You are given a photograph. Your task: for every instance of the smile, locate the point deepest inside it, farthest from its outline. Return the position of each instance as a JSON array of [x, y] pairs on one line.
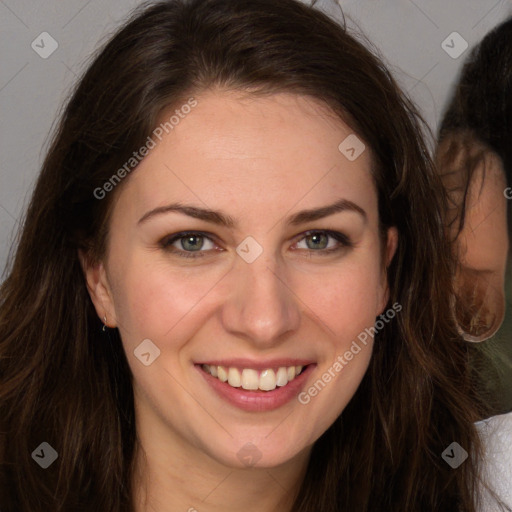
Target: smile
[[256, 386], [254, 380]]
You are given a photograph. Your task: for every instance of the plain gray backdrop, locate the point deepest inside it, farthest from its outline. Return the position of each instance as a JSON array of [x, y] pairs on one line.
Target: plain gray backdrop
[[416, 39]]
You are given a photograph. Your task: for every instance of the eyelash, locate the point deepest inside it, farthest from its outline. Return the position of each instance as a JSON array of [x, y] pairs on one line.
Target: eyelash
[[341, 238]]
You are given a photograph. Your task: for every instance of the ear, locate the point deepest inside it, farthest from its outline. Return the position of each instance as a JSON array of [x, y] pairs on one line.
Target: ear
[[389, 253], [99, 289]]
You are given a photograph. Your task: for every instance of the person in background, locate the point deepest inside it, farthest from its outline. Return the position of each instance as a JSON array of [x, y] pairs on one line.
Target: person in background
[[474, 158]]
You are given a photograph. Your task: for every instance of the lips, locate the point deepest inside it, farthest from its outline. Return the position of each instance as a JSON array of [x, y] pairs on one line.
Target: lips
[[256, 386]]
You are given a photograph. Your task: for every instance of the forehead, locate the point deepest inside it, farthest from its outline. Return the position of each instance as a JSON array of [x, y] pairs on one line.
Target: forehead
[[276, 151]]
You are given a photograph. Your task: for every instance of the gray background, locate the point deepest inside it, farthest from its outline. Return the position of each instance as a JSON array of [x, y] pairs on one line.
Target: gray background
[[408, 33]]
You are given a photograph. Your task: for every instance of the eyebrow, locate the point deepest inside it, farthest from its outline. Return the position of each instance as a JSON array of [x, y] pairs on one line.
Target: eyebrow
[[221, 219]]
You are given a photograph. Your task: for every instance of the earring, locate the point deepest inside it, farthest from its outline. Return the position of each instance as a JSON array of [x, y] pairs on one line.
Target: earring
[[104, 324]]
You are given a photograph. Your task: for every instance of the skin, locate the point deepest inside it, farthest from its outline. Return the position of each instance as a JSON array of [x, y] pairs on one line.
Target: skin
[[483, 244], [258, 160]]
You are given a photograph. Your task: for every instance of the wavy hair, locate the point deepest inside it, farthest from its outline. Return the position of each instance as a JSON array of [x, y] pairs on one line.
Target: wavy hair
[[61, 382]]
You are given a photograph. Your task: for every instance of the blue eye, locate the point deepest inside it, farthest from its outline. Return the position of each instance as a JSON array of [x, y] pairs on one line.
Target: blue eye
[[320, 241], [194, 244], [190, 244]]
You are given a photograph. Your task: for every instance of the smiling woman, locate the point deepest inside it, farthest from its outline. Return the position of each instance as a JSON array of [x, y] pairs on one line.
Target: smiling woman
[[284, 239]]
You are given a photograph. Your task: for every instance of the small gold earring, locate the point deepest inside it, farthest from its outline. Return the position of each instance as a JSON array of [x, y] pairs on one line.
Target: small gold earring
[[104, 324]]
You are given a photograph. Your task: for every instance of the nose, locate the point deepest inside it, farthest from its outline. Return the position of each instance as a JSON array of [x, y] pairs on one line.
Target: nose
[[261, 306]]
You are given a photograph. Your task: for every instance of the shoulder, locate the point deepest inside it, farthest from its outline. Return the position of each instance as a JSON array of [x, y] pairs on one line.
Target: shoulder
[[496, 434]]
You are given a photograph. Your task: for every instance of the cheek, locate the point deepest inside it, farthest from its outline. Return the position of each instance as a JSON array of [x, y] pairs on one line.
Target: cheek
[[351, 298], [168, 303], [346, 299], [156, 301], [345, 302], [348, 309]]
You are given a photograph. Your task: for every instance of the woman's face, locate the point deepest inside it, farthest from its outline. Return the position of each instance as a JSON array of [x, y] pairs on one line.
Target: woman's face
[[252, 289]]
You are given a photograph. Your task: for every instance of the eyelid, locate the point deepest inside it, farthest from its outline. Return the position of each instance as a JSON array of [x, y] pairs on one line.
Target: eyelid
[[170, 239], [343, 240]]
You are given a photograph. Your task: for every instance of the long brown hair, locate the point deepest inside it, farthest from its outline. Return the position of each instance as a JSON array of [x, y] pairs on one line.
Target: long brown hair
[[63, 382]]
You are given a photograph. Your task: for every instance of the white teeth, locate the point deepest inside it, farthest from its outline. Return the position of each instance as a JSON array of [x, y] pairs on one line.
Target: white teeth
[[252, 380], [282, 376], [234, 378], [249, 379], [222, 374], [267, 380]]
